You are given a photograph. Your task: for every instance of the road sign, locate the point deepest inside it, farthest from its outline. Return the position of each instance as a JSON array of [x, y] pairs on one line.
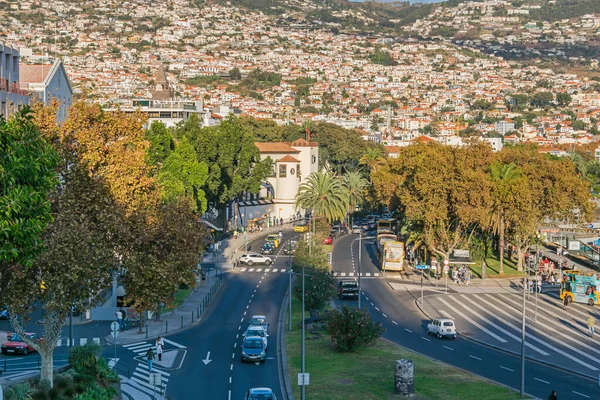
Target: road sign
[[422, 266], [446, 262], [303, 379], [114, 334], [155, 379], [446, 268], [114, 326]]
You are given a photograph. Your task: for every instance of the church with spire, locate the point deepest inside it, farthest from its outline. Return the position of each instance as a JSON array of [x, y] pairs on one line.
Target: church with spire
[[162, 90]]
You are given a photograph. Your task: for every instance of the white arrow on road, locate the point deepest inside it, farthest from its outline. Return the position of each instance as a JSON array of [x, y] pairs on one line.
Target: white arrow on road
[[207, 359]]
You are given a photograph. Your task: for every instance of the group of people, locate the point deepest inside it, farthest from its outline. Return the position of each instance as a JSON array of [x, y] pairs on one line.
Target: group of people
[[150, 354], [462, 275]]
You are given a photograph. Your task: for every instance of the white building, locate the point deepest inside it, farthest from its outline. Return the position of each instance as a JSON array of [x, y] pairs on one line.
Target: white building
[[169, 112], [12, 97], [49, 82]]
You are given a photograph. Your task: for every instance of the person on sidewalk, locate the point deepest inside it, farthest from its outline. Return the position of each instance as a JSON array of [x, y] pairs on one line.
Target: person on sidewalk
[[160, 346], [591, 321], [203, 277], [150, 358], [553, 396], [566, 302], [123, 319], [281, 221], [119, 315]]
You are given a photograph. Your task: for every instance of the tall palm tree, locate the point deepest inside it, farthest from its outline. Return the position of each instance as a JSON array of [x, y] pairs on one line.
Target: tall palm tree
[[372, 159], [324, 194], [581, 166], [503, 175], [355, 186]]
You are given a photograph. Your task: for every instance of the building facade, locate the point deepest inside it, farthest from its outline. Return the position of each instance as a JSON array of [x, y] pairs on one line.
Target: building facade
[[12, 97], [49, 82]]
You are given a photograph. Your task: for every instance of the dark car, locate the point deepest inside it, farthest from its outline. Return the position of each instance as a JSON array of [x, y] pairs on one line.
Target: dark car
[[253, 349], [267, 248], [347, 289], [16, 345]]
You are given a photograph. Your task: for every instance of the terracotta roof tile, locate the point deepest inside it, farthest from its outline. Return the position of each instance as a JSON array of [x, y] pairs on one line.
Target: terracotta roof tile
[[288, 158], [277, 147], [303, 143], [33, 73]]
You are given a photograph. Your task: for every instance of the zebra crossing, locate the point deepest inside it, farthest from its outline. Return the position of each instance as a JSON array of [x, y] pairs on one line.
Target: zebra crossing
[[64, 342], [552, 334], [285, 270]]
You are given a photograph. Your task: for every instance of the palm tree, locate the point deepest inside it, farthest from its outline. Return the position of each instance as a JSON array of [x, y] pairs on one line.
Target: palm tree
[[581, 166], [503, 175], [373, 158], [324, 194], [354, 185]]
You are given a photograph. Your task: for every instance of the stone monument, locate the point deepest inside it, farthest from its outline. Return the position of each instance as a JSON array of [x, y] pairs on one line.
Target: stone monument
[[404, 378]]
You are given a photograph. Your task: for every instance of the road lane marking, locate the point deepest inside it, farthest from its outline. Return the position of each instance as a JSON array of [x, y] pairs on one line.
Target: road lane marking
[[385, 316], [233, 355], [507, 333], [234, 345], [229, 379], [368, 274], [377, 308], [229, 398], [508, 369], [477, 358], [407, 330], [581, 394], [351, 274], [424, 338], [259, 270], [274, 269], [237, 336], [343, 274], [541, 380], [372, 304], [394, 322], [243, 269], [248, 306], [251, 270], [250, 301], [239, 328], [231, 368], [241, 320], [366, 297], [245, 313], [449, 348], [492, 334]]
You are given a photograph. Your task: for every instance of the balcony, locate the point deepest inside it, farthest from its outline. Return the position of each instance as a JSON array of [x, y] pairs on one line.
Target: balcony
[[5, 86]]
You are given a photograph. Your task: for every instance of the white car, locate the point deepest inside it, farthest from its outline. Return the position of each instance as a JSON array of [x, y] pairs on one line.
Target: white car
[[258, 331], [255, 258], [442, 327], [259, 321]]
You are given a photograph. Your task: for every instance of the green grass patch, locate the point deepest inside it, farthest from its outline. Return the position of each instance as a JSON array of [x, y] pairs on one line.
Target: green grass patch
[[493, 268], [369, 372], [180, 296]]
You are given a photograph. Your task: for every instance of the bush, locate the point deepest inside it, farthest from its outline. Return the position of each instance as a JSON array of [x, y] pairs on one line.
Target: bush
[[21, 391], [351, 328], [319, 287], [84, 358]]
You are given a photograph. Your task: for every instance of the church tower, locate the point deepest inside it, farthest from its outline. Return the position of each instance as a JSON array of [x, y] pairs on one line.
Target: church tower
[[162, 90]]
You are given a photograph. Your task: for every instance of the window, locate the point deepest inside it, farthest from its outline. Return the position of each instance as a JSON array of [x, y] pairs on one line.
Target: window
[[448, 324], [282, 170], [314, 159]]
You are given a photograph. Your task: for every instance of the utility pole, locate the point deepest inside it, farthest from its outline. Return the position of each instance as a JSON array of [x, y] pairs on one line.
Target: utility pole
[[522, 391], [290, 288], [303, 354], [71, 327], [359, 262]]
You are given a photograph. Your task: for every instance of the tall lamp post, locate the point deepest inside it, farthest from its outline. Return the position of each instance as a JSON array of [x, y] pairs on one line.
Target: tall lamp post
[[522, 389], [290, 287], [303, 353], [359, 262]]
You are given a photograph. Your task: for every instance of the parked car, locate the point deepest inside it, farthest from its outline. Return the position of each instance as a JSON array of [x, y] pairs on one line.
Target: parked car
[[442, 327], [347, 289], [253, 349], [4, 313], [290, 247], [255, 258], [260, 394], [259, 320], [16, 345], [273, 238], [267, 248], [301, 227], [258, 331], [328, 240]]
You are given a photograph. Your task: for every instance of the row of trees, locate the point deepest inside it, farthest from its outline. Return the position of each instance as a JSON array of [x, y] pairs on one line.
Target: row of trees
[[454, 197], [81, 202]]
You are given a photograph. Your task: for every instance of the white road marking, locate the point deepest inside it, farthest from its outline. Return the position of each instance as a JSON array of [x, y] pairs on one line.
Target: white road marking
[[424, 338], [243, 269], [366, 297], [367, 274], [445, 314], [274, 269], [241, 320], [581, 394], [245, 312], [377, 308], [229, 379], [229, 397], [508, 369], [233, 355], [237, 336], [231, 368], [492, 334], [477, 358], [407, 330], [449, 348], [251, 270], [343, 274], [394, 322], [351, 274], [385, 316], [541, 380]]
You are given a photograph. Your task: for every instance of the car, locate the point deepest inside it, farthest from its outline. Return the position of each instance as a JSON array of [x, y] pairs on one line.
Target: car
[[357, 229], [254, 258], [253, 349], [262, 393], [346, 289], [4, 313], [16, 345], [273, 238], [259, 320], [301, 227], [257, 331], [328, 240], [290, 248], [442, 327], [267, 248]]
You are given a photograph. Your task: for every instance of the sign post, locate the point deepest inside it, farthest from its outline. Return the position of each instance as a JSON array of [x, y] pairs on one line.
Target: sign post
[[114, 327], [446, 270], [422, 268], [303, 379]]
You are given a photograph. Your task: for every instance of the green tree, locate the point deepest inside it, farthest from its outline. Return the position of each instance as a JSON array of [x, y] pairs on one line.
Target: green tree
[[351, 328], [520, 101], [235, 74], [161, 143], [324, 194], [542, 99], [382, 57], [355, 187], [563, 99], [319, 287]]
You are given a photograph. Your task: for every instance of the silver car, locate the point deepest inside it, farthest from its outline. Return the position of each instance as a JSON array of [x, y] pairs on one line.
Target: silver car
[[255, 258]]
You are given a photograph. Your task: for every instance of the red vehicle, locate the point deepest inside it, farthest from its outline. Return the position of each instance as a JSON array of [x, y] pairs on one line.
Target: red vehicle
[[328, 240], [16, 345]]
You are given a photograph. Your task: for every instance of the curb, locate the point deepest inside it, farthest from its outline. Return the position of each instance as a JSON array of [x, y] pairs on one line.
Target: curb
[[219, 284], [284, 374], [514, 353]]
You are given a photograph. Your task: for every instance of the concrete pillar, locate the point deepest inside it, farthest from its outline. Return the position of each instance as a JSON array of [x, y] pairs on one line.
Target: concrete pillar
[[404, 378]]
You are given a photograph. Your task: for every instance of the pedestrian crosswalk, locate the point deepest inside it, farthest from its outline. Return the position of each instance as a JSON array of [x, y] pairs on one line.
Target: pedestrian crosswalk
[[552, 334], [140, 348], [285, 270], [77, 342]]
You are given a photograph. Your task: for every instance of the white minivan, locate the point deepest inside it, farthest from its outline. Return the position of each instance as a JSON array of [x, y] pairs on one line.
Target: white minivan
[[442, 327]]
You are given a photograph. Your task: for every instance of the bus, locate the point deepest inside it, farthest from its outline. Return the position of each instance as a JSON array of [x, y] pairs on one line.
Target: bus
[[386, 225], [580, 287], [393, 256]]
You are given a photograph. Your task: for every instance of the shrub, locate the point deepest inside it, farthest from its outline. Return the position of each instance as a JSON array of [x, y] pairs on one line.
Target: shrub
[[21, 391], [86, 357], [95, 393], [319, 287], [351, 328]]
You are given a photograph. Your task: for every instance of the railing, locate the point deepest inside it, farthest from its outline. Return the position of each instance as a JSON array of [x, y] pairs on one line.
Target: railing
[[5, 86]]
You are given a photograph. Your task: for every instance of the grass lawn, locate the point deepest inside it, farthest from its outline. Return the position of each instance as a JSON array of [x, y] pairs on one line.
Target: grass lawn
[[369, 373], [493, 267], [180, 296]]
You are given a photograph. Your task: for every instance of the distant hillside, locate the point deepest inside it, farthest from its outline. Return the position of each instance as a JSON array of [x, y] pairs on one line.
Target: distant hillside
[[565, 9]]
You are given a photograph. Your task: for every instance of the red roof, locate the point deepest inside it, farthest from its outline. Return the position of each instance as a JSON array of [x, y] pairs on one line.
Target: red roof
[[288, 158], [277, 147], [33, 73], [303, 143]]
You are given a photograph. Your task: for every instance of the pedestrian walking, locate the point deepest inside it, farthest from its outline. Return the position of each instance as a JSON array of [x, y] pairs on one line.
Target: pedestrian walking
[[160, 346], [203, 277], [553, 396], [119, 315], [235, 234], [281, 221], [150, 358], [123, 319], [591, 321], [566, 302]]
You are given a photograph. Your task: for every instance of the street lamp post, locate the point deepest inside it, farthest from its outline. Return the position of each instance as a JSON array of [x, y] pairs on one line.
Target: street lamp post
[[290, 287], [303, 353], [522, 391], [359, 262]]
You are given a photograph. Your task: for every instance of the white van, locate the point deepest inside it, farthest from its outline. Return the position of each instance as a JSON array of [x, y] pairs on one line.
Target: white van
[[442, 327]]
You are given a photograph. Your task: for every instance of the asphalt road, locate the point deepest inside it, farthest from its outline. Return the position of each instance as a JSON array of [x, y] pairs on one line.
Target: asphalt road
[[225, 377], [406, 325]]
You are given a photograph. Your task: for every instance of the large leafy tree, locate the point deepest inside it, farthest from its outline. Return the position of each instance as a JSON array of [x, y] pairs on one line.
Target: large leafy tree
[[161, 143], [324, 194], [355, 186]]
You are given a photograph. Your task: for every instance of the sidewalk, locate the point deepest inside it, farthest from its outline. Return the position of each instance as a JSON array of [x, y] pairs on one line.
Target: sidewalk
[[188, 314]]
